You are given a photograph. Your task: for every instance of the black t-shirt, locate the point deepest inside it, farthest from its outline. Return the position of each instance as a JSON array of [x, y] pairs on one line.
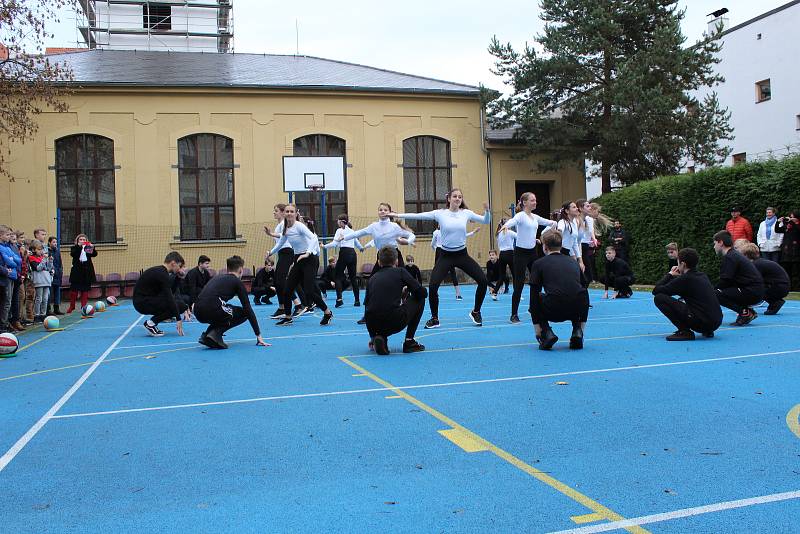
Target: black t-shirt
[[493, 270], [156, 282], [264, 278], [696, 290], [195, 281], [558, 274], [738, 271], [414, 271], [773, 274], [385, 289], [223, 288]]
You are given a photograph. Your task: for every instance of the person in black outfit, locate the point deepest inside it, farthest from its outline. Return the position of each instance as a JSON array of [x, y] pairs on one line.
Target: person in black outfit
[[493, 274], [565, 297], [776, 279], [212, 306], [412, 269], [620, 240], [196, 279], [790, 247], [672, 254], [327, 279], [153, 295], [618, 275], [698, 308], [385, 313], [263, 287], [740, 284]]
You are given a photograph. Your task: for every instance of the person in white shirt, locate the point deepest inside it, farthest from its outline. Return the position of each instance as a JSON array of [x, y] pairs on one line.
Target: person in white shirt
[[588, 242], [571, 227], [527, 224], [769, 241], [506, 240], [453, 241], [284, 263], [436, 239], [305, 245], [346, 260]]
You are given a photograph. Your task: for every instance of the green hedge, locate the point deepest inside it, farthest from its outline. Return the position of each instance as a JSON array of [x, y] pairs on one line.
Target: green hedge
[[690, 208]]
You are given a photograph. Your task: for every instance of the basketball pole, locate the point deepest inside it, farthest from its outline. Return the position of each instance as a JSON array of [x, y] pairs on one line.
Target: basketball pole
[[324, 230]]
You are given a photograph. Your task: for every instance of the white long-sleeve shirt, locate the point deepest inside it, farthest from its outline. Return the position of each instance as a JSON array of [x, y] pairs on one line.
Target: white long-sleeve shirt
[[588, 230], [300, 238], [347, 240], [527, 226], [436, 238], [279, 231], [453, 225], [385, 233], [506, 240], [570, 237]]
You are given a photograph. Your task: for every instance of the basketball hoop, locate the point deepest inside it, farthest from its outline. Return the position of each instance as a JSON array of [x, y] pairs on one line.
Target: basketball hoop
[[315, 187]]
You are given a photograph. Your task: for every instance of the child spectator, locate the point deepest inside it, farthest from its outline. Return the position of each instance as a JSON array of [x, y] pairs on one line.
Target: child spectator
[[493, 273], [7, 275], [196, 279], [16, 260], [58, 272], [618, 275], [412, 268], [263, 287], [27, 294], [327, 279], [672, 254], [41, 274]]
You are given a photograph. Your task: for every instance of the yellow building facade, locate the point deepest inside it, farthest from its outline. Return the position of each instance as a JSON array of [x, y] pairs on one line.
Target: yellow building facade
[[146, 121]]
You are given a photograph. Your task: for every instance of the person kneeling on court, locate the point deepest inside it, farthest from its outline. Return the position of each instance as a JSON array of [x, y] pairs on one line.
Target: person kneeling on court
[[152, 295], [699, 311], [386, 313], [740, 285], [618, 275], [565, 299], [212, 306], [776, 279]]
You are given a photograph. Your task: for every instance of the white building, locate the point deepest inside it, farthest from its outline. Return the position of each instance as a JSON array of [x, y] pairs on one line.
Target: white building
[[759, 61], [175, 25]]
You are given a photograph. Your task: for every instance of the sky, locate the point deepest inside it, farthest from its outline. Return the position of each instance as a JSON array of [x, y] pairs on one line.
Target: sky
[[445, 39]]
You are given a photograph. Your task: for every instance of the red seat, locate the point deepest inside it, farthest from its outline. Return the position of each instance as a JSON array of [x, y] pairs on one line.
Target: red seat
[[128, 282], [113, 285], [96, 290]]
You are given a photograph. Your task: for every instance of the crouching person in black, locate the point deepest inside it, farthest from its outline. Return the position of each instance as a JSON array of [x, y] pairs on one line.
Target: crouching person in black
[[152, 295], [386, 313], [740, 284], [565, 299], [699, 311], [776, 279], [212, 306], [263, 287], [618, 275]]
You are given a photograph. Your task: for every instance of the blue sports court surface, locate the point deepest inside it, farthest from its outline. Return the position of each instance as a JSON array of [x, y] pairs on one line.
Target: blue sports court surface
[[104, 429]]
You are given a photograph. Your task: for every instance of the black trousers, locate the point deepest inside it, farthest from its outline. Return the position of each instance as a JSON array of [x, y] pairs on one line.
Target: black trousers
[[264, 292], [772, 256], [547, 308], [506, 260], [219, 316], [451, 272], [463, 261], [590, 269], [346, 261], [285, 262], [523, 260], [620, 284], [158, 307], [737, 299], [792, 268], [775, 294], [303, 274], [679, 314], [407, 316]]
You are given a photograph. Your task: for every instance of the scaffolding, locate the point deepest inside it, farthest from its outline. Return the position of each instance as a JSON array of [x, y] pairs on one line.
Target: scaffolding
[[174, 25]]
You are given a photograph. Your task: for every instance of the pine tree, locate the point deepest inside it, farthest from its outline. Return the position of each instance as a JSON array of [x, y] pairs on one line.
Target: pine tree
[[611, 81]]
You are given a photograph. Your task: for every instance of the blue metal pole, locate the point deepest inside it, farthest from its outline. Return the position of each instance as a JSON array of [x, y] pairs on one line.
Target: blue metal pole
[[324, 230]]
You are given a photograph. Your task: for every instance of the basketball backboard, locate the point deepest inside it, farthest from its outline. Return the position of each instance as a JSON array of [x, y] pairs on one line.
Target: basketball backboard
[[300, 173]]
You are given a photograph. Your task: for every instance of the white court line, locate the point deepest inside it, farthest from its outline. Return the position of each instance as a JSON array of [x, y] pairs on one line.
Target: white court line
[[685, 512], [32, 431], [436, 385]]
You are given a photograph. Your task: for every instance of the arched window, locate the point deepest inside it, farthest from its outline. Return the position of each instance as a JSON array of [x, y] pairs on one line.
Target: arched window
[[310, 203], [205, 178], [85, 187], [426, 177]]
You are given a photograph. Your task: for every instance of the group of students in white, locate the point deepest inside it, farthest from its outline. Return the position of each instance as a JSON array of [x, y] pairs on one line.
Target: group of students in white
[[395, 296]]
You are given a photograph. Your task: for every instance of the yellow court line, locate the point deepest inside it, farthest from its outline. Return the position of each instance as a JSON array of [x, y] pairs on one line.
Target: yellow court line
[[586, 518], [793, 420], [465, 435], [32, 343]]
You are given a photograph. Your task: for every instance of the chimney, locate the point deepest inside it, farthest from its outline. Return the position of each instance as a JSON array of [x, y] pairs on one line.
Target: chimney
[[719, 23]]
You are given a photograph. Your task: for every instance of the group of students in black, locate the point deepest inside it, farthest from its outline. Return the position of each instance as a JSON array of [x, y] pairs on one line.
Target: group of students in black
[[395, 297]]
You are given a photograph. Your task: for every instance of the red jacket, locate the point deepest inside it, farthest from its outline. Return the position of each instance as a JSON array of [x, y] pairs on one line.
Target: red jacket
[[740, 229]]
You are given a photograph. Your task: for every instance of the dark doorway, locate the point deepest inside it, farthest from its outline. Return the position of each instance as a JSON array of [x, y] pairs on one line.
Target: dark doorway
[[542, 192]]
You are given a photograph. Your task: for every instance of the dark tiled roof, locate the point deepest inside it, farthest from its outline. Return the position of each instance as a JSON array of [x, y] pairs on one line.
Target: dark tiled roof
[[193, 69], [503, 135]]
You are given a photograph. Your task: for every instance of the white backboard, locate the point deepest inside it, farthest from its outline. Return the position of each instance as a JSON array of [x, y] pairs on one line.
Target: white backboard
[[301, 171]]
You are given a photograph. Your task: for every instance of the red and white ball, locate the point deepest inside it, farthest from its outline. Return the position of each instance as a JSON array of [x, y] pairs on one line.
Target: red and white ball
[[87, 311], [8, 345], [112, 300]]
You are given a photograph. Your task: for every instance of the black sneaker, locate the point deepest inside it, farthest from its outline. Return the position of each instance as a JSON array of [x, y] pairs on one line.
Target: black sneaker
[[547, 339], [311, 308], [267, 302], [363, 320], [299, 310], [357, 304], [775, 307], [339, 304], [208, 342], [708, 335], [494, 296], [411, 345], [381, 347], [433, 322], [745, 318], [216, 338], [681, 335], [514, 319], [476, 318], [327, 318], [286, 321], [152, 329], [459, 297], [257, 302], [278, 314], [576, 339]]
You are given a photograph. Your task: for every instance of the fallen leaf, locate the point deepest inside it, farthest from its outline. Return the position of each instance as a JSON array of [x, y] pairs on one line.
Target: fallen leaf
[[562, 383]]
